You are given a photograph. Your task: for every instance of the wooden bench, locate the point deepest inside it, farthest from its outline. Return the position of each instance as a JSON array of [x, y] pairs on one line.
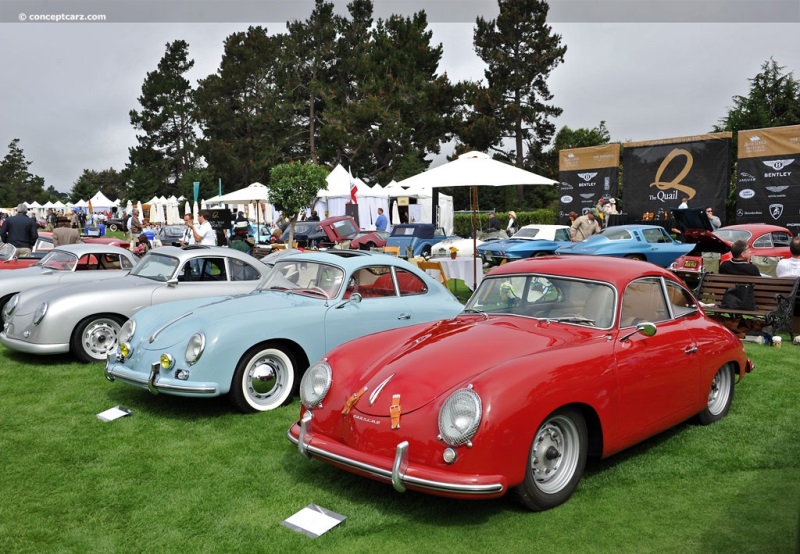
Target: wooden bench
[[775, 298]]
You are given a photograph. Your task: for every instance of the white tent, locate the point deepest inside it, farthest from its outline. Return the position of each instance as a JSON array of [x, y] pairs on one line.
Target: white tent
[[332, 200], [100, 203], [369, 200]]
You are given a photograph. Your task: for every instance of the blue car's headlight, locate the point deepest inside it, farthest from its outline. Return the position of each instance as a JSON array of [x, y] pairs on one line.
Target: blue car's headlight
[[195, 347], [38, 315], [315, 384], [460, 417], [127, 331]]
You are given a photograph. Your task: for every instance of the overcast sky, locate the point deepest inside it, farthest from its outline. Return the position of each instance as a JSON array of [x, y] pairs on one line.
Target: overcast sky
[[66, 88]]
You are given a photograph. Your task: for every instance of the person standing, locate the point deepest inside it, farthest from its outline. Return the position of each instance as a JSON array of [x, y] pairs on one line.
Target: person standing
[[21, 232], [188, 235], [715, 222], [790, 267], [381, 222], [584, 227], [684, 203], [494, 224], [64, 233], [135, 227], [740, 264], [203, 233], [511, 228]]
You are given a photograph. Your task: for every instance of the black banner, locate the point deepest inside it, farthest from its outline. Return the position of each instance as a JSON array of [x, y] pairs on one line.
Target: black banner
[[659, 175], [586, 175], [768, 180]]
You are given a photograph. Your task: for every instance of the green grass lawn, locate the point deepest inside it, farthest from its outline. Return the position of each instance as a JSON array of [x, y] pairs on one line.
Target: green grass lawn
[[184, 475]]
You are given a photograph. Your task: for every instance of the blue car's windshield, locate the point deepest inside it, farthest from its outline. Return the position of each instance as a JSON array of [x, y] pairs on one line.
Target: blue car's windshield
[[305, 277]]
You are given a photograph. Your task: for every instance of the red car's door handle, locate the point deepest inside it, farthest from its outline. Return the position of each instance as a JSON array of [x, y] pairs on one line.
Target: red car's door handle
[[690, 350]]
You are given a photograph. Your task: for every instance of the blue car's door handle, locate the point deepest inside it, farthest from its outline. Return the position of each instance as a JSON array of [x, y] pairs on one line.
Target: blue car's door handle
[[404, 316]]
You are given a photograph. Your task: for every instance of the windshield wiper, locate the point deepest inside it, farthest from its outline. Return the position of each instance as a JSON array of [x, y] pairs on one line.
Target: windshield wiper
[[475, 311], [572, 319]]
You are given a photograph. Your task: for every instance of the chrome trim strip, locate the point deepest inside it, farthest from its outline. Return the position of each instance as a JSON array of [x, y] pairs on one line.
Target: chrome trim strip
[[379, 388], [305, 430], [157, 331], [386, 475]]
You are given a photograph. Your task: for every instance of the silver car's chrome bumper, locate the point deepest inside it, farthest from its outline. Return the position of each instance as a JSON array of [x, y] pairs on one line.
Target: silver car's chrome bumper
[[397, 475], [32, 348], [153, 382]]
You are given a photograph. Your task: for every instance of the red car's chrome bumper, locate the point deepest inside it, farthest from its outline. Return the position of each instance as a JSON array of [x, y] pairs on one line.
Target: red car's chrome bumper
[[398, 471]]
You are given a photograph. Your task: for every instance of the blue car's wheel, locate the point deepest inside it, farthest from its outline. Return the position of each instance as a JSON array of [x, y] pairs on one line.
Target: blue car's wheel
[[264, 379], [556, 461]]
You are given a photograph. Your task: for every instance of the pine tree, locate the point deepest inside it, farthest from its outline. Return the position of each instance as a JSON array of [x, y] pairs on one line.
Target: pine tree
[[109, 181], [17, 184], [166, 150], [520, 51], [773, 101]]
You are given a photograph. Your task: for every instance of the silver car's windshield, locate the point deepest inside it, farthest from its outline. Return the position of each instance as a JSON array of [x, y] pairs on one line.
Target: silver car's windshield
[[558, 299], [7, 251], [157, 267], [59, 260], [305, 277]]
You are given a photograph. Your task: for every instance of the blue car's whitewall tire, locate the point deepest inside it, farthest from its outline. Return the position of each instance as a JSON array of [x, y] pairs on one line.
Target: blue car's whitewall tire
[[264, 379]]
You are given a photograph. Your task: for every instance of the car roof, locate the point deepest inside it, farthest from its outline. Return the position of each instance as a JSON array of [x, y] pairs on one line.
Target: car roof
[[197, 250], [755, 228], [92, 248], [350, 259], [544, 226], [617, 271]]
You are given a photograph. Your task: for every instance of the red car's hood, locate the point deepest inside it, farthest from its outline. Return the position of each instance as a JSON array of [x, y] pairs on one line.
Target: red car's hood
[[448, 353], [705, 241]]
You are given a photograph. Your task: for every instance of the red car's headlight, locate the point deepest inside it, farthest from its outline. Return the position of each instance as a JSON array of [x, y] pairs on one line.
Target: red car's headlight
[[315, 384], [460, 417]]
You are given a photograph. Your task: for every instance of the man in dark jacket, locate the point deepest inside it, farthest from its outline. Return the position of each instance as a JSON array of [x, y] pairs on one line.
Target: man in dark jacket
[[20, 231], [740, 264]]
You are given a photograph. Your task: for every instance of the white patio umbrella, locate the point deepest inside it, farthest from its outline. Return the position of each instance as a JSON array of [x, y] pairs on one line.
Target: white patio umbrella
[[187, 209], [474, 169], [129, 207], [255, 193]]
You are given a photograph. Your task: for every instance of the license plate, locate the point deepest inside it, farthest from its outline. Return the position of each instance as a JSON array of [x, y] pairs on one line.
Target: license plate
[[690, 263]]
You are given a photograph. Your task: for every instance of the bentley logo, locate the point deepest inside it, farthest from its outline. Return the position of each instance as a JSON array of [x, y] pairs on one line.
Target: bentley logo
[[587, 176], [776, 210], [777, 165], [676, 182], [776, 189]]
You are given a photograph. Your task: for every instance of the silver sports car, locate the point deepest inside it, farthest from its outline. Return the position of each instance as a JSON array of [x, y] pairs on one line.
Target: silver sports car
[[85, 319], [67, 265]]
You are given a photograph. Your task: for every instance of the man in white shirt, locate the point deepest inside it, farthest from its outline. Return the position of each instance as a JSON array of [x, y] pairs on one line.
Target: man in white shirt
[[188, 234], [203, 233], [790, 267]]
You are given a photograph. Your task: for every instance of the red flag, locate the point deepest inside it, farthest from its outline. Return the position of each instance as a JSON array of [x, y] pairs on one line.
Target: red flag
[[353, 188]]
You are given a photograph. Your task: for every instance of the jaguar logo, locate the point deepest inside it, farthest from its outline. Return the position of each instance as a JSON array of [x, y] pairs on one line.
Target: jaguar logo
[[776, 211], [747, 193], [565, 186], [587, 176], [777, 165], [745, 177]]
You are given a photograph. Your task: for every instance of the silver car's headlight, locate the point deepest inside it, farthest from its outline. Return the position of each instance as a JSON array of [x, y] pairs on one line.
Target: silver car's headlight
[[127, 331], [195, 347], [38, 315], [315, 384], [10, 306], [460, 417]]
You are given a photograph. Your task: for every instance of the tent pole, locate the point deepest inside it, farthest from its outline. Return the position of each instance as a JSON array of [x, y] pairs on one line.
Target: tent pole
[[474, 234]]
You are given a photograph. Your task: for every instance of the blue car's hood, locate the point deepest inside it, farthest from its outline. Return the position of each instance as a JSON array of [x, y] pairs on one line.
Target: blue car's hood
[[587, 246], [188, 317], [506, 244]]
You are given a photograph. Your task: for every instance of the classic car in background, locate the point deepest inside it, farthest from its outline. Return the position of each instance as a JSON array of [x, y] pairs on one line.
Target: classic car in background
[[768, 244], [44, 244], [551, 362], [334, 231], [530, 241], [256, 347], [649, 243], [85, 319], [171, 235], [419, 237], [66, 265], [466, 247]]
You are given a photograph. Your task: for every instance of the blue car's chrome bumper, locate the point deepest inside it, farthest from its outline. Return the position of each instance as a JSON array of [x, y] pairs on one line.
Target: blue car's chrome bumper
[[155, 381]]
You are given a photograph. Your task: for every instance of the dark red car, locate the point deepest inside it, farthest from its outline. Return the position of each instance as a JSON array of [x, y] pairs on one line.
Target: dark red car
[[337, 230]]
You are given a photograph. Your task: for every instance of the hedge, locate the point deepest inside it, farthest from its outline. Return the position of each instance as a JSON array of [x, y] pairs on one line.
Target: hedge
[[462, 222]]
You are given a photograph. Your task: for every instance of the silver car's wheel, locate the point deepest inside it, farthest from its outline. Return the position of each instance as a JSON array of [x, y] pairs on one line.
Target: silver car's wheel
[[556, 461], [264, 379], [112, 227], [720, 396], [96, 337]]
